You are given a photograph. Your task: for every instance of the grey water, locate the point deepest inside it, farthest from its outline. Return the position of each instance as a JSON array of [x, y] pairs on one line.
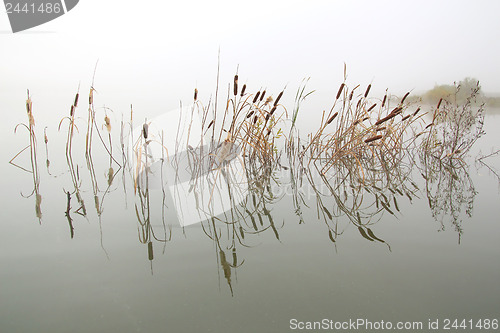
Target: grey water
[[107, 270]]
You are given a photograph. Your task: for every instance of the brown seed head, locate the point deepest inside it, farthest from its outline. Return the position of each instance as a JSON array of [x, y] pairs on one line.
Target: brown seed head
[[235, 85], [75, 103], [439, 103], [340, 90], [367, 90], [262, 96], [332, 118], [373, 138], [256, 97], [278, 98], [404, 97]]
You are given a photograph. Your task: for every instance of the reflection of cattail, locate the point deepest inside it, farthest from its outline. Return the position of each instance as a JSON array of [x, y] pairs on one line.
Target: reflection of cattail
[[91, 96], [367, 90], [340, 90], [145, 130], [29, 109], [235, 85], [373, 138], [76, 100], [256, 97], [243, 90], [150, 251], [331, 118], [108, 123]]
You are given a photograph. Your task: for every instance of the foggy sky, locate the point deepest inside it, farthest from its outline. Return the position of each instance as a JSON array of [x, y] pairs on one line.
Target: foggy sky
[[161, 50]]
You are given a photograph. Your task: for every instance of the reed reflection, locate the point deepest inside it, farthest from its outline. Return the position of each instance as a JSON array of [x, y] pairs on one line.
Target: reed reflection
[[33, 169], [227, 170]]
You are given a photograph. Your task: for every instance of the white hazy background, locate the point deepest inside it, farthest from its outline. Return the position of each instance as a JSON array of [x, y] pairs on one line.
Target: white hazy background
[[152, 54]]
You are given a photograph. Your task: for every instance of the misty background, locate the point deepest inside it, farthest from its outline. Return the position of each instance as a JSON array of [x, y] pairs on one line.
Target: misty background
[[153, 54]]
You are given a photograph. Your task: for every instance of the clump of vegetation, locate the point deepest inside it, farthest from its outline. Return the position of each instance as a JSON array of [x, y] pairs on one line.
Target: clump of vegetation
[[459, 93], [356, 166]]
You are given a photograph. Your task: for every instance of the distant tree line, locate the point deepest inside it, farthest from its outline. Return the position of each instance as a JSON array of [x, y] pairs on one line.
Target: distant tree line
[[458, 93]]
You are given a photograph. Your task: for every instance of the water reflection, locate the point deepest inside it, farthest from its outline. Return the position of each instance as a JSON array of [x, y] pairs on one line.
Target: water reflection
[[229, 175], [33, 168]]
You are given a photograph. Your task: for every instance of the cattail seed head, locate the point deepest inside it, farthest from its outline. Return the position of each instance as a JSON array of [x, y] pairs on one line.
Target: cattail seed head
[[439, 103], [416, 111], [373, 138], [368, 90], [195, 94], [235, 85], [397, 110], [404, 97], [383, 120], [332, 118], [278, 98], [262, 96], [383, 101], [371, 107], [340, 90], [243, 90], [358, 104], [256, 97], [145, 128], [75, 103], [211, 123]]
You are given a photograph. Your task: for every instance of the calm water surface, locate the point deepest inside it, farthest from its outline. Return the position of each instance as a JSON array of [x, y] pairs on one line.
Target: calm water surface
[[98, 274]]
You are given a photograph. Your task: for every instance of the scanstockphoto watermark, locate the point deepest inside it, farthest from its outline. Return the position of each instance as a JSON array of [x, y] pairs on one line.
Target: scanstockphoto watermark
[[26, 14], [464, 324], [354, 324]]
